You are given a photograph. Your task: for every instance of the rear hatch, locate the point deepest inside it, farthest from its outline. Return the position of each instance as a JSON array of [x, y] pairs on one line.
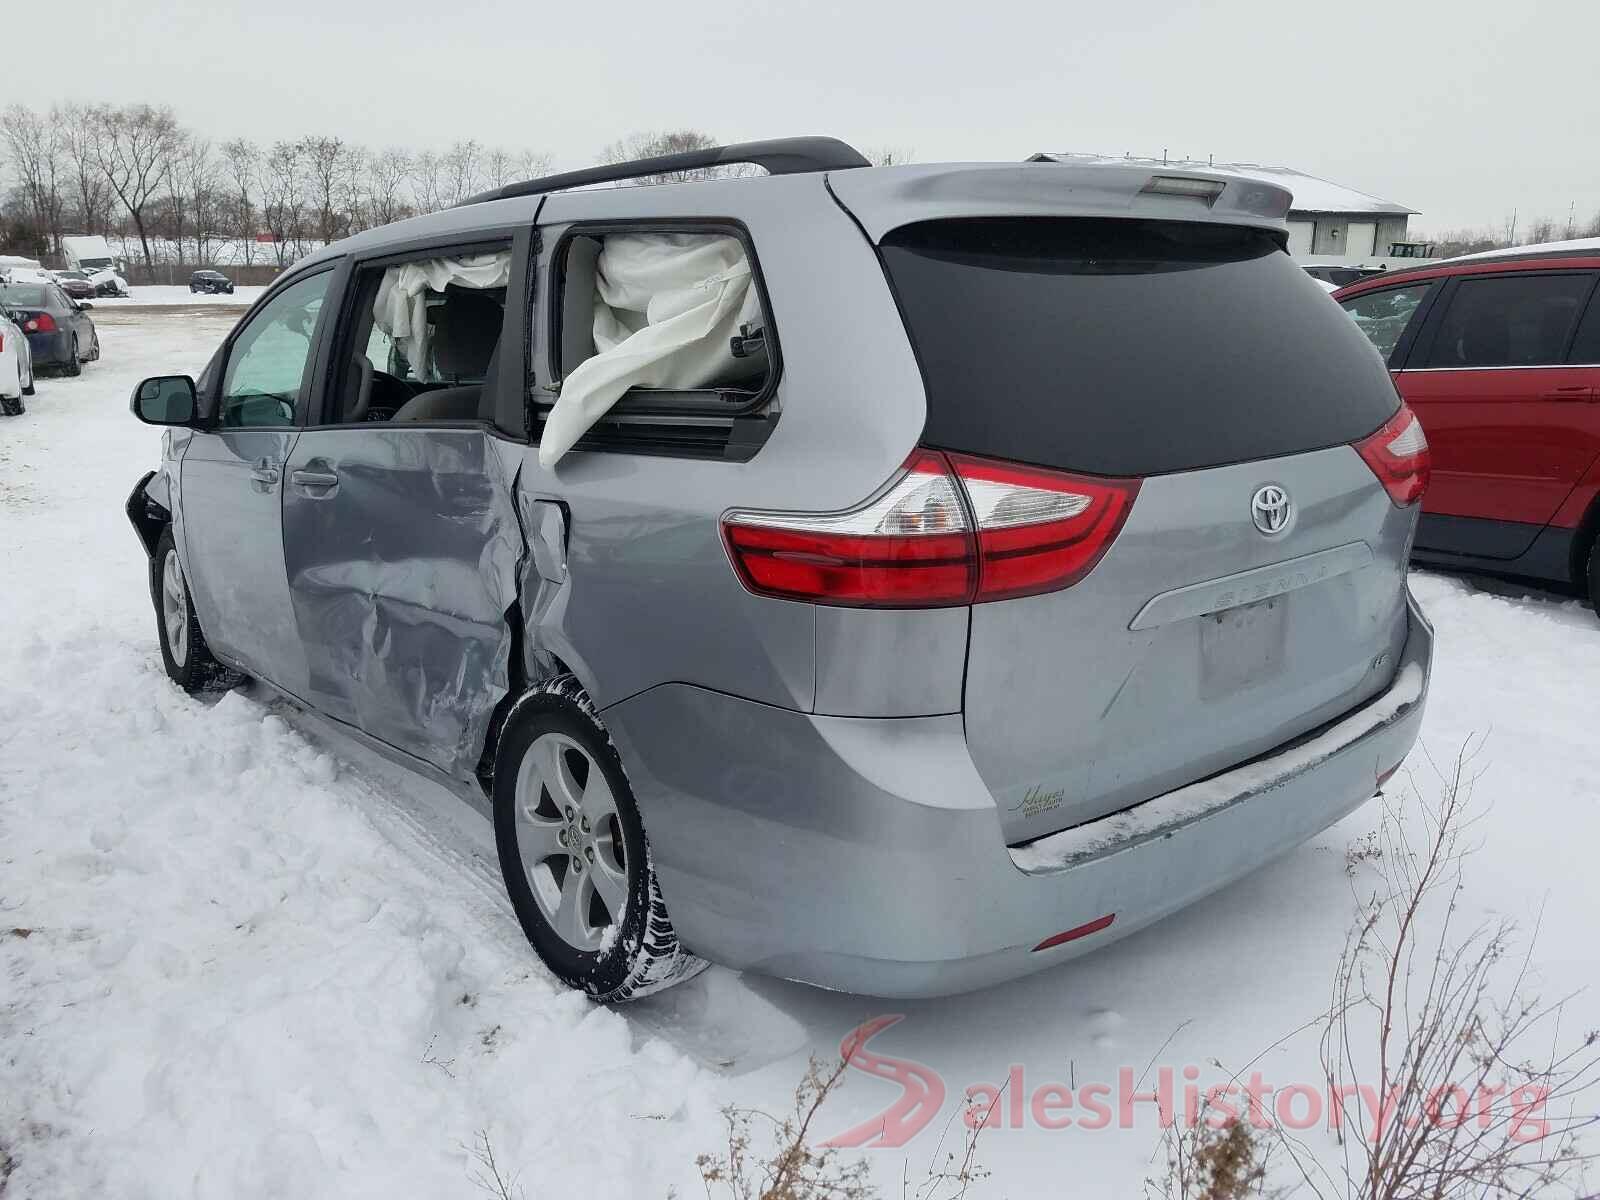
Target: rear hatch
[[1196, 359]]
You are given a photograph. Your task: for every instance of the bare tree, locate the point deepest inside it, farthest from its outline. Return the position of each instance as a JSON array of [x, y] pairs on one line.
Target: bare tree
[[386, 174], [281, 205], [34, 146], [427, 182], [890, 156], [79, 129], [462, 175], [134, 148], [241, 160], [326, 164], [680, 141], [530, 164], [199, 175]]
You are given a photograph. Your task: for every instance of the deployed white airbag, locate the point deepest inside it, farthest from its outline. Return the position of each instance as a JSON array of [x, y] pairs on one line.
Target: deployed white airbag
[[666, 307], [401, 308]]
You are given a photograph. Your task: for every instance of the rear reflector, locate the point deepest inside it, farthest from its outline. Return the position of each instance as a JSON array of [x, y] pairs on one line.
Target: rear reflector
[[1398, 455], [1072, 935], [949, 530]]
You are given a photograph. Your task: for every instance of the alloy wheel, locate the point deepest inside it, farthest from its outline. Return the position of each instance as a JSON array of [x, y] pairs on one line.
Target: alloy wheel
[[570, 842], [175, 609]]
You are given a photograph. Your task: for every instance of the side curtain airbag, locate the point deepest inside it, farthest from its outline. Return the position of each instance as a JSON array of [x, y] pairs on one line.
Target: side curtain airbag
[[666, 308]]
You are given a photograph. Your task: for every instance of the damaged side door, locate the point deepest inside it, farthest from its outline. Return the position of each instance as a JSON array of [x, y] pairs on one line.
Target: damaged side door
[[404, 548]]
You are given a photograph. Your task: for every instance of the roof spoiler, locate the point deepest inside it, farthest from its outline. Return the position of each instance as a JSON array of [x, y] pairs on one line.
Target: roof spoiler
[[779, 156]]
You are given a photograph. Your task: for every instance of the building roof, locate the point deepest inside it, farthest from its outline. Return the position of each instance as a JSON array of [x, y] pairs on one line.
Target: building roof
[[1311, 195], [1588, 247]]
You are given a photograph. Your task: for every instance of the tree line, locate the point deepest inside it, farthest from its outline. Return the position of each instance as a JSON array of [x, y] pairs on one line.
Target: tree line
[[134, 172]]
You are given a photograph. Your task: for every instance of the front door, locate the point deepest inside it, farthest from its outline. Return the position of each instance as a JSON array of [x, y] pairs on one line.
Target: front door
[[401, 536], [1510, 422], [232, 488]]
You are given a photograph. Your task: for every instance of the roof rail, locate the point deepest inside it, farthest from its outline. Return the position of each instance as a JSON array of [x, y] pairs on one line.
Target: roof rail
[[780, 156]]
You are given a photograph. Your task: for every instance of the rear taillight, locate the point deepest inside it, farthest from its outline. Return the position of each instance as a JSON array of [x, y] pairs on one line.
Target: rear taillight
[[1039, 530], [949, 530], [43, 323], [1398, 456]]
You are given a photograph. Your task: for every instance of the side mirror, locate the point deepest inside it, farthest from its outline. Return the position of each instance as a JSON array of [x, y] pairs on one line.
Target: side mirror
[[166, 400], [84, 304]]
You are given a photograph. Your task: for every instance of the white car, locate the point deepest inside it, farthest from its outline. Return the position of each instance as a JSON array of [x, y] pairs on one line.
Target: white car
[[16, 365]]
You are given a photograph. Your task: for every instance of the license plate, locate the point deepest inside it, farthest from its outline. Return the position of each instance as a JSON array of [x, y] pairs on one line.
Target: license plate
[[1242, 647]]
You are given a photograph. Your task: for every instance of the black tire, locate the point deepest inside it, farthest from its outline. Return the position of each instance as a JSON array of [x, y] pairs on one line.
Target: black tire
[[94, 346], [644, 955], [12, 407], [193, 667], [1592, 574], [74, 364]]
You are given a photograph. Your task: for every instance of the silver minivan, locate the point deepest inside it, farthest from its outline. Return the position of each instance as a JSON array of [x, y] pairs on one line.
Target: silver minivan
[[897, 579]]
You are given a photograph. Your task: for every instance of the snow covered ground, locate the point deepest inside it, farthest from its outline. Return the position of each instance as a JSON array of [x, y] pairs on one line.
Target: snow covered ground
[[242, 957], [242, 296]]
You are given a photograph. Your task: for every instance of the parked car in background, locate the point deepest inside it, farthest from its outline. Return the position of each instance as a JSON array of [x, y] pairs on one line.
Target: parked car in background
[[27, 275], [16, 364], [210, 281], [76, 284], [1337, 274], [915, 696], [1499, 356], [59, 330], [107, 282]]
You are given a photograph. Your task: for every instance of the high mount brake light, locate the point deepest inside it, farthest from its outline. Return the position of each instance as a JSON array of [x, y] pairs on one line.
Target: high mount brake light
[[949, 530], [1398, 455]]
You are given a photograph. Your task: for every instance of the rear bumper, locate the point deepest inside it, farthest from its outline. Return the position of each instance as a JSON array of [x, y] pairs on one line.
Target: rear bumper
[[50, 349], [865, 855]]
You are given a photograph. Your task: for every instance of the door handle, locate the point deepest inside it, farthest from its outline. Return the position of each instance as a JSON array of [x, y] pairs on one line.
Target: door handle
[[263, 473], [1577, 393], [314, 483]]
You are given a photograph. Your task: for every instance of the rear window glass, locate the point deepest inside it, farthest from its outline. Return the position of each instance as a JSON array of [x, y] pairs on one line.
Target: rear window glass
[[25, 295], [1509, 321], [1121, 347]]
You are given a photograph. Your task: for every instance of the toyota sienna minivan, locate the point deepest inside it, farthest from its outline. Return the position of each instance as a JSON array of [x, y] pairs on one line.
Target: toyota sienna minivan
[[897, 579]]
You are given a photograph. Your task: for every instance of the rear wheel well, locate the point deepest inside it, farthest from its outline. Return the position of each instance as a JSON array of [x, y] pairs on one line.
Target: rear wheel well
[[1583, 545]]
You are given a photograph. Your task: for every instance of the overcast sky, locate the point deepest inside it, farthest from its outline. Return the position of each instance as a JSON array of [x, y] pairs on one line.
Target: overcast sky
[[1462, 109]]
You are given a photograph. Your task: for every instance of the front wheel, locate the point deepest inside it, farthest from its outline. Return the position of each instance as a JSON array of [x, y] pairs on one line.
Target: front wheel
[[74, 363], [574, 854], [94, 346], [184, 652], [1593, 573]]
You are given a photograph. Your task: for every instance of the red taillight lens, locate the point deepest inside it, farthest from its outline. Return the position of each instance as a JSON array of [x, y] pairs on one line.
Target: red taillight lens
[[909, 547], [1039, 530], [950, 530], [1398, 456], [43, 323]]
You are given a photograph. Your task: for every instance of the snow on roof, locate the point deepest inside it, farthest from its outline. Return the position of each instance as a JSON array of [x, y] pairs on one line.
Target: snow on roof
[[1575, 246], [1310, 193]]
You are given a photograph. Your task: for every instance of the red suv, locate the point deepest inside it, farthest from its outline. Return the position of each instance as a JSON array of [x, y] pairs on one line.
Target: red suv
[[1499, 356]]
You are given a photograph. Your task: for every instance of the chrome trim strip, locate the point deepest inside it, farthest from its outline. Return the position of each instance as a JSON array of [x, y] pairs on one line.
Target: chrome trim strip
[[1507, 367], [1246, 587]]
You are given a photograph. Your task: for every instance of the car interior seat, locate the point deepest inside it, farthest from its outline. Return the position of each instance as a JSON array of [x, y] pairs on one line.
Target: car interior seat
[[465, 344]]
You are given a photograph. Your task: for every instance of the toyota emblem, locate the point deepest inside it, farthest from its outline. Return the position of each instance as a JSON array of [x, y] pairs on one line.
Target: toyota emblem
[[1271, 509]]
